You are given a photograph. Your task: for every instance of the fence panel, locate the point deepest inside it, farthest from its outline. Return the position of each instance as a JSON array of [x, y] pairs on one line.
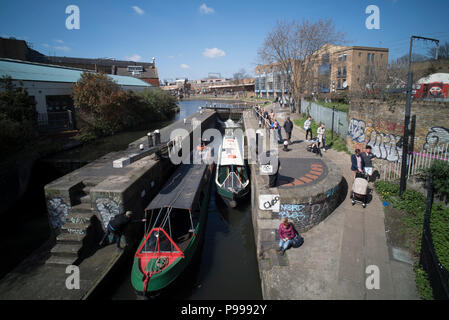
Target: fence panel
[[324, 115], [418, 162]]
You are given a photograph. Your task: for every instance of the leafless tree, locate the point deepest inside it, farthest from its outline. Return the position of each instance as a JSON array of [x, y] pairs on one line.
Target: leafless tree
[[288, 46], [239, 76], [443, 51]]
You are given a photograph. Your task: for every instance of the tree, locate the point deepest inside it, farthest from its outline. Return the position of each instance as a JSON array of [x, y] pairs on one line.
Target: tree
[[102, 104], [18, 116], [239, 76], [288, 46], [443, 51]]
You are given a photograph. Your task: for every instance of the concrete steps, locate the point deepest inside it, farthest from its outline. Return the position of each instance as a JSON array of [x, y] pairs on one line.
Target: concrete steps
[[66, 250], [60, 261], [70, 242]]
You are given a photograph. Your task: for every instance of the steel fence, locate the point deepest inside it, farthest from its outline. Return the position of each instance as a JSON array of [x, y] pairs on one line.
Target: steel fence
[[324, 115]]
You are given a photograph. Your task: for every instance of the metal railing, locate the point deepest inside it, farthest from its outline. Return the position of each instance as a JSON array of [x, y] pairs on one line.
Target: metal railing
[[418, 162], [56, 121]]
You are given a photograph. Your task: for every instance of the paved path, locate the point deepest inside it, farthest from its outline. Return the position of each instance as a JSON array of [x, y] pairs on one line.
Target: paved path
[[333, 260]]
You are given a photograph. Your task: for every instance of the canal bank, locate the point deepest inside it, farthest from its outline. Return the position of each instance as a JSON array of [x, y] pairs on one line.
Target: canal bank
[[14, 285]]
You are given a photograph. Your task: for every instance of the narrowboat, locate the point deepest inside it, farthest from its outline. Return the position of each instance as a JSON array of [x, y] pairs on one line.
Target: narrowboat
[[176, 221], [232, 178]]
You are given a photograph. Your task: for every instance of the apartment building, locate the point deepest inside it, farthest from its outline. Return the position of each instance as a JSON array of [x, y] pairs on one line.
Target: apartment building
[[270, 82]]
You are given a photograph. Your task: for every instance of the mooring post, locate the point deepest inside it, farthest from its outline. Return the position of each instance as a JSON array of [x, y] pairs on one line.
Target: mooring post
[[157, 137], [150, 140]]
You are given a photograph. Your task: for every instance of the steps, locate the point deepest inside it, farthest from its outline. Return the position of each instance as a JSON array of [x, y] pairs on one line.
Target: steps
[[71, 240]]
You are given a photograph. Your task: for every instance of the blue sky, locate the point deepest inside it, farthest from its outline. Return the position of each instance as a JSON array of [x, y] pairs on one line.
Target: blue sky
[[191, 38]]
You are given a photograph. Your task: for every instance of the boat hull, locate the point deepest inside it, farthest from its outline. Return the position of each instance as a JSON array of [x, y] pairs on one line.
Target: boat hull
[[232, 199]]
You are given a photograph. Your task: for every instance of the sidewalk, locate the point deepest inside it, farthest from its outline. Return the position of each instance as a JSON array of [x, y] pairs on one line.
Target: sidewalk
[[332, 262]]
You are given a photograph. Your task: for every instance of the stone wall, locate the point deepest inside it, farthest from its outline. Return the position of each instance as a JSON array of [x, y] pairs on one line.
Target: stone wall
[[381, 125]]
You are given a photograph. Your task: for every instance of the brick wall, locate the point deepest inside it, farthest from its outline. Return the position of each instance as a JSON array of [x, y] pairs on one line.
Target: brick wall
[[381, 125]]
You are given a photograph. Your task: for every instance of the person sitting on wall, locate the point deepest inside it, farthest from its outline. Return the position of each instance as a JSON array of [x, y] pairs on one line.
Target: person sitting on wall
[[117, 227], [286, 235]]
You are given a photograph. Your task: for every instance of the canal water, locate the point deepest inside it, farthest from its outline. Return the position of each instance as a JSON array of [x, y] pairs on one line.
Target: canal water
[[225, 267]]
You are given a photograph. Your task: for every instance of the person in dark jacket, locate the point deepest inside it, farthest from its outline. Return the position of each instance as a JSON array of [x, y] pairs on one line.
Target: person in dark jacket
[[117, 226], [288, 127], [356, 163]]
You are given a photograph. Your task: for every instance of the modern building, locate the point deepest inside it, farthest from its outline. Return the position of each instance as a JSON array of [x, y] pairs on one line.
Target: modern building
[[51, 87], [330, 69], [270, 82]]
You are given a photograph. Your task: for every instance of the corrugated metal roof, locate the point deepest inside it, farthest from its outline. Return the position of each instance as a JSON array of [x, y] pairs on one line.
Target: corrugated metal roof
[[26, 71]]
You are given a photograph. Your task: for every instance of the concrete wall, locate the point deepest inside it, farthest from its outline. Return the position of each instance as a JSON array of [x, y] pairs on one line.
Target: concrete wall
[[381, 125]]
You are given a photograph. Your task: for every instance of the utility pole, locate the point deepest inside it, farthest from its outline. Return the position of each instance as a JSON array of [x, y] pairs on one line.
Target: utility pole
[[403, 184]]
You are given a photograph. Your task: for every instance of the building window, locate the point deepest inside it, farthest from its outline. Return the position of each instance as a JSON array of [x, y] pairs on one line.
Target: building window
[[339, 84], [360, 54], [381, 55], [344, 71], [344, 57], [340, 57], [372, 57], [368, 57], [59, 103], [339, 72], [358, 67]]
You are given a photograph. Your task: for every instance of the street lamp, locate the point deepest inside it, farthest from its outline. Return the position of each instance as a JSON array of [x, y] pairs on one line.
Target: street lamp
[[403, 183]]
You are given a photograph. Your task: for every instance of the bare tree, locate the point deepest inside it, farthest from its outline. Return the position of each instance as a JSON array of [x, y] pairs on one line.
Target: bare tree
[[443, 51], [239, 76], [288, 46]]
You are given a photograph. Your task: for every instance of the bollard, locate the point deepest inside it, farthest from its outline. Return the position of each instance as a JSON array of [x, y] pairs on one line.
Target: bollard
[[259, 137], [141, 147], [150, 140], [157, 137]]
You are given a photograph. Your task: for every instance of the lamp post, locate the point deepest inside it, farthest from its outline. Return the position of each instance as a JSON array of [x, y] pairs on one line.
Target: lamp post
[[403, 183]]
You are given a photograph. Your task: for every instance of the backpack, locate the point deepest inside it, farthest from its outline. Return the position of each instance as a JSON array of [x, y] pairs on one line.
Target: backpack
[[297, 241]]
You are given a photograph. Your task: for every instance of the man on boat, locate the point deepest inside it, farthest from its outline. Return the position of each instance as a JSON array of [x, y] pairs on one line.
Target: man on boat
[[117, 226]]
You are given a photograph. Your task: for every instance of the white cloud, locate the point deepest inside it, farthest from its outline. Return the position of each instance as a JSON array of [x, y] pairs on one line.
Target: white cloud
[[138, 10], [206, 10], [134, 57], [62, 48], [59, 41], [184, 66], [46, 45], [213, 53]]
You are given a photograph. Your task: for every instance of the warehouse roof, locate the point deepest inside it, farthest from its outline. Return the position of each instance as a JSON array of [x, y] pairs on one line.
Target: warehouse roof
[[29, 71]]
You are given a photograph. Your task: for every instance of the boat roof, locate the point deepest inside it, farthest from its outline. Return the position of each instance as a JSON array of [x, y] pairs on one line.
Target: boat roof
[[231, 152], [182, 189], [435, 77]]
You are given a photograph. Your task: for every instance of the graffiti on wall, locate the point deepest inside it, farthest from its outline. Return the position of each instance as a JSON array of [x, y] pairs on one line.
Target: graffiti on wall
[[58, 211], [107, 209], [384, 145], [269, 202], [437, 137], [304, 216]]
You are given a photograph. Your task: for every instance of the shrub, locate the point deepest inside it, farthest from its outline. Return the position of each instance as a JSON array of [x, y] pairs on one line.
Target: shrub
[[440, 172], [18, 116]]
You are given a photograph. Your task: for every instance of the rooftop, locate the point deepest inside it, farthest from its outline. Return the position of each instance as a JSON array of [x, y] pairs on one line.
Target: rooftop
[[30, 71]]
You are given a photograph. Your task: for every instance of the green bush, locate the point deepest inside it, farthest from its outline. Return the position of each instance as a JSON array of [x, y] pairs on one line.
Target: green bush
[[18, 117], [440, 172], [413, 204]]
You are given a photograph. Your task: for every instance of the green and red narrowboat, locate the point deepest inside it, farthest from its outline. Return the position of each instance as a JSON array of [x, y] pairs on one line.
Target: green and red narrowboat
[[176, 221]]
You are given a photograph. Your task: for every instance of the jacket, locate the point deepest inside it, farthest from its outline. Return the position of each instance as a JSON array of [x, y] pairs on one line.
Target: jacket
[[354, 166], [288, 126], [286, 233]]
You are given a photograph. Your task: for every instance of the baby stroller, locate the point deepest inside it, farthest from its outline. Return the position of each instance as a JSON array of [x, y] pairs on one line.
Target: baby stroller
[[360, 190], [313, 147]]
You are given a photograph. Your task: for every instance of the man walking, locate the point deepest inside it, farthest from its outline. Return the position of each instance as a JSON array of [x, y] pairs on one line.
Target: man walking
[[307, 127], [288, 127]]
